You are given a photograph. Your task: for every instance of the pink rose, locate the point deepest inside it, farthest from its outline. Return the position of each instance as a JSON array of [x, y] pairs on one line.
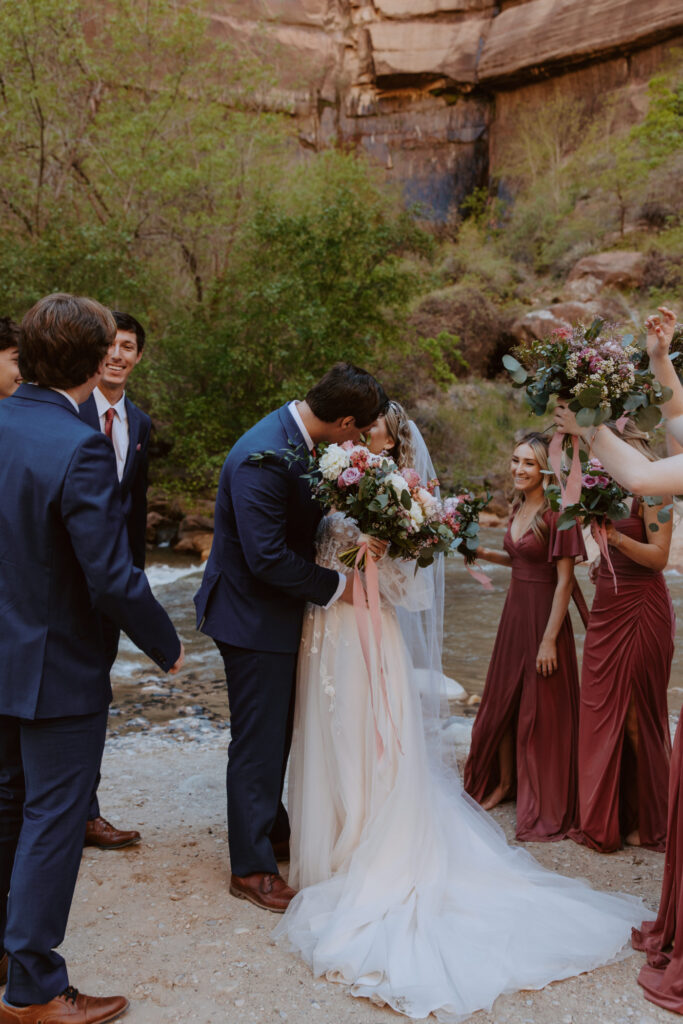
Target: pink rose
[[411, 477], [588, 481], [349, 477], [347, 446]]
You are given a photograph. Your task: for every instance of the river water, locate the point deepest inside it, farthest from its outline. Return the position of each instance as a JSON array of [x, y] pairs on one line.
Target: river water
[[195, 702]]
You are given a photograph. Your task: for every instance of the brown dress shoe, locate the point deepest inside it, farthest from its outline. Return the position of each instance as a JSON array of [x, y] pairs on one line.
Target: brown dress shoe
[[3, 969], [99, 832], [281, 850], [68, 1008], [270, 892]]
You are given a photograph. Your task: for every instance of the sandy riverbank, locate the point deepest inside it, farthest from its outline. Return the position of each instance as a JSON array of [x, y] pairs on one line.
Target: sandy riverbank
[[156, 921]]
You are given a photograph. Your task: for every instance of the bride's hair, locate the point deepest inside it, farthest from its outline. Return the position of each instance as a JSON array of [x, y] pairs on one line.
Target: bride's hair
[[539, 445], [398, 428]]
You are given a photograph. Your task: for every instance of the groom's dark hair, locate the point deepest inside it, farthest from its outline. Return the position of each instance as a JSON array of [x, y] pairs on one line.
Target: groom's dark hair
[[346, 390], [64, 338]]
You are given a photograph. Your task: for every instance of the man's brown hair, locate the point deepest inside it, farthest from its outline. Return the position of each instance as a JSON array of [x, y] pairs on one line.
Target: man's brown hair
[[346, 390], [64, 338]]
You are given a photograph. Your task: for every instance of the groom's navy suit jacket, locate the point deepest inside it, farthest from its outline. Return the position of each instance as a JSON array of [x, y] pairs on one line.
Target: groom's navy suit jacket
[[261, 570], [64, 562], [134, 480]]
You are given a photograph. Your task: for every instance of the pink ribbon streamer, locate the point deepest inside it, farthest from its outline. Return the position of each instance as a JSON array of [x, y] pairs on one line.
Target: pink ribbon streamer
[[621, 423], [600, 537], [479, 576], [360, 607], [571, 491]]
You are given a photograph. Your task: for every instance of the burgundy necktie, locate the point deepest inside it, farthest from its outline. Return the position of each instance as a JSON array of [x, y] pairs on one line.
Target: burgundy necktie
[[109, 420]]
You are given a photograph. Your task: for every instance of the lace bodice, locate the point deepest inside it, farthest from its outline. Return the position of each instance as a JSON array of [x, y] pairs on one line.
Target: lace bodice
[[399, 584]]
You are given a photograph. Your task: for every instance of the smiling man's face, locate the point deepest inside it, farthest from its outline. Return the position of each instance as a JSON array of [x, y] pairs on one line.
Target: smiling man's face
[[10, 378], [122, 356]]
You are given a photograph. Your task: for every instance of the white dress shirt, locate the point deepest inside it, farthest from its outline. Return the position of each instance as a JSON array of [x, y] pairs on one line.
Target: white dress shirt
[[67, 396], [309, 444], [119, 427]]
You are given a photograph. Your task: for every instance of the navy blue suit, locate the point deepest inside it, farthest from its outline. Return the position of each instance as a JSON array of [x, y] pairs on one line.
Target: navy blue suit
[[259, 576], [133, 487], [64, 563]]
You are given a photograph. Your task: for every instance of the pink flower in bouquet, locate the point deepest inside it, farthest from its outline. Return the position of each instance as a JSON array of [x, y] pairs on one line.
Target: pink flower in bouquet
[[588, 481], [562, 332], [348, 446], [360, 457], [411, 477], [349, 477], [595, 464]]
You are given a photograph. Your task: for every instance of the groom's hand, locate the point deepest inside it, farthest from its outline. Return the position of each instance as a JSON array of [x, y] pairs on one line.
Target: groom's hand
[[347, 592], [179, 663]]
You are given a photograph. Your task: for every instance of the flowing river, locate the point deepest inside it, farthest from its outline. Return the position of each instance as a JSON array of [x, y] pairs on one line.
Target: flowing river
[[195, 701]]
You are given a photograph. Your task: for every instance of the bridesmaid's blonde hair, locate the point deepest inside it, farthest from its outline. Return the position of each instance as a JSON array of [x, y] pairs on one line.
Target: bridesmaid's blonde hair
[[637, 438], [539, 445], [398, 428]]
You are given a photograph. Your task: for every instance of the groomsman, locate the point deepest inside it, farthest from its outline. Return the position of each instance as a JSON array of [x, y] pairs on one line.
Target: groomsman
[[110, 410], [10, 378], [65, 563]]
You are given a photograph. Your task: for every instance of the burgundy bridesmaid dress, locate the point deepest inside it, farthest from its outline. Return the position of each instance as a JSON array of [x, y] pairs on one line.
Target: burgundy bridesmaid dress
[[662, 940], [543, 713], [628, 652]]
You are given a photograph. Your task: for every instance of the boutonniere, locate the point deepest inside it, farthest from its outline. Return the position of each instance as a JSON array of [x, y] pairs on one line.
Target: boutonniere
[[139, 447]]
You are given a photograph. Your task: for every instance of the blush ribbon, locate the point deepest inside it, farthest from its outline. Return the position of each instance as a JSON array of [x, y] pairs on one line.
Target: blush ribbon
[[361, 607], [600, 537], [571, 491], [479, 576]]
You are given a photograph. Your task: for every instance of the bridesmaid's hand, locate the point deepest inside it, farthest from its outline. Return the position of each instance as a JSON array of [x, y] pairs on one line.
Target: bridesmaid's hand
[[565, 420], [593, 570], [613, 535], [660, 331], [546, 659]]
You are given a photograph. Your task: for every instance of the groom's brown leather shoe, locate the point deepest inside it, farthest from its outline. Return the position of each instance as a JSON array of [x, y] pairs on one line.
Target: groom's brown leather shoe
[[270, 892], [68, 1008], [99, 832], [3, 969]]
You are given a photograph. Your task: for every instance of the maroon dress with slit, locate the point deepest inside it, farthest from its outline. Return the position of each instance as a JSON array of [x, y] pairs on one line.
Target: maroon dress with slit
[[542, 712], [627, 655], [662, 940]]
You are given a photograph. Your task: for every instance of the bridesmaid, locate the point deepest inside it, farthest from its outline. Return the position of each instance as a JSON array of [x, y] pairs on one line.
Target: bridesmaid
[[525, 733], [624, 739]]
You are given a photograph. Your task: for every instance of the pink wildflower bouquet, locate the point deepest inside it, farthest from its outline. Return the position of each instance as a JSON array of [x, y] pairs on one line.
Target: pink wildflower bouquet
[[389, 503], [461, 512], [601, 497], [602, 374]]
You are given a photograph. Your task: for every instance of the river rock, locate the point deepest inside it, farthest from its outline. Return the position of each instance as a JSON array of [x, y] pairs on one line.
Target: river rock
[[198, 543], [540, 323], [619, 269]]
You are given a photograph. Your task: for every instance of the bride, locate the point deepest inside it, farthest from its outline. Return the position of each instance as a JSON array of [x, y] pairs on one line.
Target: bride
[[409, 893]]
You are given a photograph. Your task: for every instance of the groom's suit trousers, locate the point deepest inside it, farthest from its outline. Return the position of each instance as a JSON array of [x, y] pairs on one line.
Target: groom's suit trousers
[[261, 687], [47, 770]]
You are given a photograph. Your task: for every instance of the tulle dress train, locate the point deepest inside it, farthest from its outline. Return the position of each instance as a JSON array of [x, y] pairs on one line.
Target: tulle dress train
[[409, 893]]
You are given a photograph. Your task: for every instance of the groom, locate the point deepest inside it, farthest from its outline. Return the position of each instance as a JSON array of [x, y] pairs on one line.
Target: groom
[[259, 576]]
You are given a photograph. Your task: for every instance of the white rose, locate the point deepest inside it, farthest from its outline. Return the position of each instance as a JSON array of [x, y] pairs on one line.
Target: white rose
[[397, 482], [427, 500], [416, 514], [334, 461]]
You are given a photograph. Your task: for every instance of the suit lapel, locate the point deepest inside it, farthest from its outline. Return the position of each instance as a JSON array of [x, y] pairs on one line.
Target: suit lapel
[[88, 413], [133, 439]]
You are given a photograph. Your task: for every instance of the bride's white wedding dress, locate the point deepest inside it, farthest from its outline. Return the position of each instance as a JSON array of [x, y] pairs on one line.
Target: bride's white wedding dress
[[410, 894]]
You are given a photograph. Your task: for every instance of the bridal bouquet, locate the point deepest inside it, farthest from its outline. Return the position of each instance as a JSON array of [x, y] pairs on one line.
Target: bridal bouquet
[[602, 374], [388, 503]]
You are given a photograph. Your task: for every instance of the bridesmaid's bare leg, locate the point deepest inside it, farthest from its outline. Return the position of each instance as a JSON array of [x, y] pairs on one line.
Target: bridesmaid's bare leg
[[631, 725], [506, 765]]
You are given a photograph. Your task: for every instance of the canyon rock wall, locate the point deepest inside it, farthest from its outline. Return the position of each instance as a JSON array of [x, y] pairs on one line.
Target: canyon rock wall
[[429, 87]]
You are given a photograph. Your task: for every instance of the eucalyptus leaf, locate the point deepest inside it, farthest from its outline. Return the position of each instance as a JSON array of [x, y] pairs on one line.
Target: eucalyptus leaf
[[586, 417], [648, 417], [590, 397], [511, 364]]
